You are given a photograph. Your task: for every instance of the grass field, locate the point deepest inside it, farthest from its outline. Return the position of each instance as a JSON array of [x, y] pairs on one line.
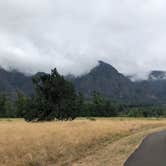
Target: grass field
[[81, 142]]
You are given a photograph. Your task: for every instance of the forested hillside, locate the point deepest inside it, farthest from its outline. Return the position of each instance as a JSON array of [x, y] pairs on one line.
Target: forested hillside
[[11, 81], [104, 79]]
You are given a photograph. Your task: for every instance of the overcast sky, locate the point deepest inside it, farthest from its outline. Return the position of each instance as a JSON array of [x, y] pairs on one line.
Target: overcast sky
[[72, 35]]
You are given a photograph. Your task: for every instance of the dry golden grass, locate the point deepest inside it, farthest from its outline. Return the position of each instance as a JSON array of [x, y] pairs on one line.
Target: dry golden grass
[[117, 152], [63, 143]]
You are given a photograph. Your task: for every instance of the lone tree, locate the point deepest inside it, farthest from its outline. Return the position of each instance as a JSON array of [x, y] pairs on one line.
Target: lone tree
[[55, 98]]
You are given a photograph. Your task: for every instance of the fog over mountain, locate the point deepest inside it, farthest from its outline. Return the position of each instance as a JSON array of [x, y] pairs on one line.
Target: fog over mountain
[[73, 35], [103, 78]]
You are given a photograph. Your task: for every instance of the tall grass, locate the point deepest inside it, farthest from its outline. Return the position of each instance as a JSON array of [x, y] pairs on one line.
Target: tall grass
[[60, 143]]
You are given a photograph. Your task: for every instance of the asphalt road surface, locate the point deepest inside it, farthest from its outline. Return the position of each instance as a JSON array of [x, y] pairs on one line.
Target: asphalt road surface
[[152, 151]]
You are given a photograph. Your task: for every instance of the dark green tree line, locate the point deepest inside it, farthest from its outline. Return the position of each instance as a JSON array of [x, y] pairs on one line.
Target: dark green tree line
[[56, 98]]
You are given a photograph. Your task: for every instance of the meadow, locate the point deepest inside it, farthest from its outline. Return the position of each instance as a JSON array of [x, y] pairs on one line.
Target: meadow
[[80, 142]]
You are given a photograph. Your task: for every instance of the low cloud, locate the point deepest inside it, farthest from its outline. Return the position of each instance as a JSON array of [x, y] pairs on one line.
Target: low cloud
[[73, 35]]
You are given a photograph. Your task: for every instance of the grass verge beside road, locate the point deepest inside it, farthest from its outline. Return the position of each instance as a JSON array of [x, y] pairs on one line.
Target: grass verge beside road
[[80, 142]]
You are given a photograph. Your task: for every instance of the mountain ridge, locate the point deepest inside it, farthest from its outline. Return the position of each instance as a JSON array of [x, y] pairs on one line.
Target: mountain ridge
[[103, 78]]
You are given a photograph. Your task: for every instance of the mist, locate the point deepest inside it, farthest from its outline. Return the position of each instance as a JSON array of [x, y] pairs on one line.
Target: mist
[[72, 35]]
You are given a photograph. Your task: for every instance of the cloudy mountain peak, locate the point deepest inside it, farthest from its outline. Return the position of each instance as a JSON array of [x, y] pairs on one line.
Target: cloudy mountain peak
[[104, 68], [105, 79], [157, 75]]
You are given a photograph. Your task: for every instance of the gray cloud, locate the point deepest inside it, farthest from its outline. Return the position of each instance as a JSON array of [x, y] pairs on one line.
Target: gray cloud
[[72, 35]]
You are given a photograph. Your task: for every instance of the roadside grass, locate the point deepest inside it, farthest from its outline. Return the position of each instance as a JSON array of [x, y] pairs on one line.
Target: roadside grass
[[116, 153], [67, 143]]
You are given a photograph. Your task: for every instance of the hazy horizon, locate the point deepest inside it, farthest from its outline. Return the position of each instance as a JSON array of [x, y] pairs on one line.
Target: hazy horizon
[[73, 35]]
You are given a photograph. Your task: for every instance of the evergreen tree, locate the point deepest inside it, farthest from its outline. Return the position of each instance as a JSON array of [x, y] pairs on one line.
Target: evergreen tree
[[55, 98], [21, 104], [3, 99], [6, 106]]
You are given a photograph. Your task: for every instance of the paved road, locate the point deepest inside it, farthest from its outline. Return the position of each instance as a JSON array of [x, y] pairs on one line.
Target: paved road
[[152, 151]]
